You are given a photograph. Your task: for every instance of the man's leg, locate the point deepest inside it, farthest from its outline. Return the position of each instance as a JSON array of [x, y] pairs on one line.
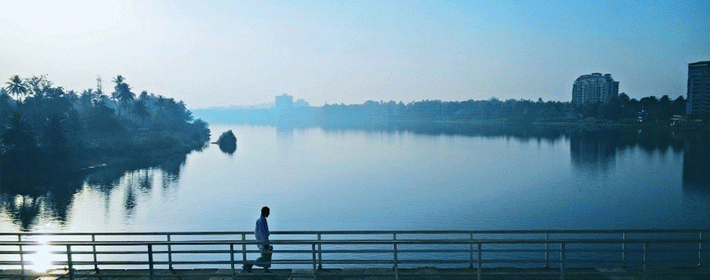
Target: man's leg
[[247, 266], [265, 259]]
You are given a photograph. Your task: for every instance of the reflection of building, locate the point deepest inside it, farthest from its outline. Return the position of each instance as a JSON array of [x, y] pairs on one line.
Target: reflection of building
[[699, 88], [594, 88], [696, 166], [592, 150]]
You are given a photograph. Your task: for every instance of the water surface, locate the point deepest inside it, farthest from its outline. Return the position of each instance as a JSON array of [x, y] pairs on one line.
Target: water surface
[[394, 179]]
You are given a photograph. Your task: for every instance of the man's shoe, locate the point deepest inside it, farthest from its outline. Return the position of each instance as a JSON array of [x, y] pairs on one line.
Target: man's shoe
[[247, 268], [266, 270]]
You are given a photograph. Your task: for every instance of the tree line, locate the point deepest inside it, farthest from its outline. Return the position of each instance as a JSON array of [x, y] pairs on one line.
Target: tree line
[[619, 109], [45, 128]]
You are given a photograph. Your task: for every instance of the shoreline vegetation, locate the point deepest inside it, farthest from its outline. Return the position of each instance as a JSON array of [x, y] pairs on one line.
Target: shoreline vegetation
[[621, 112], [47, 131]]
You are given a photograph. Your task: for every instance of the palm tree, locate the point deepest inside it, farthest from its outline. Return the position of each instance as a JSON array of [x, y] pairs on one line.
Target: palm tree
[[16, 86], [36, 85], [118, 80], [53, 140], [143, 96], [122, 92], [140, 109]]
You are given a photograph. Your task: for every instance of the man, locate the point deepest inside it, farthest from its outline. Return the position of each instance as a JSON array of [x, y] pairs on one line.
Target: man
[[262, 236]]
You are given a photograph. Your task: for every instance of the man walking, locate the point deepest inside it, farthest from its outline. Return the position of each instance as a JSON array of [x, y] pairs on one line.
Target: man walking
[[261, 232]]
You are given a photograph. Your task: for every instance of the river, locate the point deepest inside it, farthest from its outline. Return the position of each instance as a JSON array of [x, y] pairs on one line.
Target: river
[[390, 179]]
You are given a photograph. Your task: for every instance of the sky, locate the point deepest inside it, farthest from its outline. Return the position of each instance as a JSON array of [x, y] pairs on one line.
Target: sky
[[240, 53]]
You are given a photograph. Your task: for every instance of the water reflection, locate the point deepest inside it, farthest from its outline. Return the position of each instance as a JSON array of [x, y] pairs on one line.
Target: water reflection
[[696, 168], [51, 199], [126, 189], [519, 133], [593, 151]]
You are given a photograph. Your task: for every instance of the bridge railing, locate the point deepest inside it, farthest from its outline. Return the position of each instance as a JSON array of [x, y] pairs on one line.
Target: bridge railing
[[22, 253]]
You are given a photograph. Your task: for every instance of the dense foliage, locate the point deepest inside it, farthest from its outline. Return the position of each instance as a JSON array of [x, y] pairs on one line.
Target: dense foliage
[[47, 129], [227, 142], [620, 109]]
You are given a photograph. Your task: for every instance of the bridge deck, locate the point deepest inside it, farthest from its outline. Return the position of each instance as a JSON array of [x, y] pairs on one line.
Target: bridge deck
[[423, 273]]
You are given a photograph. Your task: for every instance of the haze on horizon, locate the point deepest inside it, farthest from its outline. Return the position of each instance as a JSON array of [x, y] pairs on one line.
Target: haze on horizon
[[223, 53]]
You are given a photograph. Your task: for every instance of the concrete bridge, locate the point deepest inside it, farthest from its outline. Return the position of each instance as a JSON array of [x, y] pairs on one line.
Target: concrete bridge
[[505, 254]]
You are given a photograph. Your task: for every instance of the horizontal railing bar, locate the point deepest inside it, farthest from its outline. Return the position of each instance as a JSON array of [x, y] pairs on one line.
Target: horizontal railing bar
[[344, 242], [367, 251], [367, 232], [91, 263], [383, 251], [365, 242], [420, 251]]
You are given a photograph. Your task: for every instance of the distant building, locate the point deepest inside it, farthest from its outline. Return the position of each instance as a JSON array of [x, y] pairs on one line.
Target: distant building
[[594, 88], [284, 102], [699, 89], [300, 103]]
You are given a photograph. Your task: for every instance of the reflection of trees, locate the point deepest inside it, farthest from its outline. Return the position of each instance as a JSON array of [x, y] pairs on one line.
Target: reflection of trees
[[51, 196], [22, 208], [596, 150], [24, 202], [130, 203], [145, 180], [520, 132], [592, 150]]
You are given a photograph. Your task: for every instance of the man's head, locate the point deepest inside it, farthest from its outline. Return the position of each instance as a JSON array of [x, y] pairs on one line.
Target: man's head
[[265, 211]]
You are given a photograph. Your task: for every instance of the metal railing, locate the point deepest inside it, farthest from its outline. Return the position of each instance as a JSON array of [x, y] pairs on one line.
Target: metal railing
[[557, 250]]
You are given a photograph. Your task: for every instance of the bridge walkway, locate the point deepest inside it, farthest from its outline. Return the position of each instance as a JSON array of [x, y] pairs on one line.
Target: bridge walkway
[[422, 273]]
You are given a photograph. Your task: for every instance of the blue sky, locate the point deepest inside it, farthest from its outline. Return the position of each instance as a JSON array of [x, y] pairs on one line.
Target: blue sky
[[246, 52]]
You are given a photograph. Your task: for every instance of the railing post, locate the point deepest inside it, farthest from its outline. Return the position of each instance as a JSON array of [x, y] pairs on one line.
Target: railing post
[[470, 250], [150, 261], [623, 250], [170, 255], [479, 261], [320, 253], [562, 261], [547, 248], [700, 249], [22, 257], [231, 258], [315, 271], [69, 263], [396, 268], [96, 263], [244, 248]]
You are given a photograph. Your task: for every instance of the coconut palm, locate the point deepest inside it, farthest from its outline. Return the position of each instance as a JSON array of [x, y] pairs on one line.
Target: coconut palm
[[16, 86], [122, 92], [140, 109], [118, 80], [37, 84]]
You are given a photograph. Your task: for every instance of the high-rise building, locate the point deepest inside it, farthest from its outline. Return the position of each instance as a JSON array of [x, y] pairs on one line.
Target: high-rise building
[[594, 88], [699, 89]]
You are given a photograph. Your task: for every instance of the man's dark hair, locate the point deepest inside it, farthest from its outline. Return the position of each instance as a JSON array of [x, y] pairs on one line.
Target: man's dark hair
[[264, 210]]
